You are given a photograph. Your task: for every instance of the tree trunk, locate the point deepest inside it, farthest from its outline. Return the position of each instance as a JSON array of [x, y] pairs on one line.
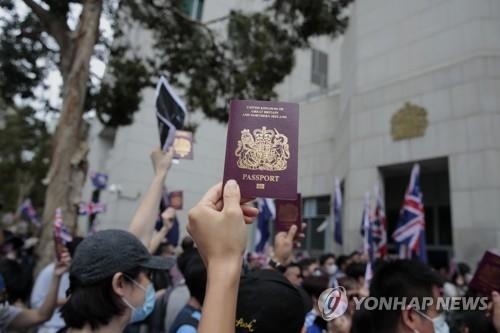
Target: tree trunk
[[67, 171]]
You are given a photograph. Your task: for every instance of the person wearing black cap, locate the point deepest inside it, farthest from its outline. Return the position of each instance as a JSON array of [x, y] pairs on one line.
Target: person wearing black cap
[[109, 284]]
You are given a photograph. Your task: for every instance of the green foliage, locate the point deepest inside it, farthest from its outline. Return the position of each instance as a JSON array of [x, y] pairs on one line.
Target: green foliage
[[119, 97], [21, 47], [23, 157], [247, 61]]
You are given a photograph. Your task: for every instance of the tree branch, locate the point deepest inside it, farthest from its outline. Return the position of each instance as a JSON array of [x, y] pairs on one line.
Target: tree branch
[[53, 26]]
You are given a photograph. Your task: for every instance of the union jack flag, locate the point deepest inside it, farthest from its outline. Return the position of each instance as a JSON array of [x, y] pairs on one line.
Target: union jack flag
[[410, 230], [28, 212], [379, 226], [91, 208], [60, 231]]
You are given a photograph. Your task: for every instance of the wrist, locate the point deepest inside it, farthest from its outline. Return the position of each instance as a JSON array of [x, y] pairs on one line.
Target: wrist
[[225, 269], [161, 175], [277, 265]]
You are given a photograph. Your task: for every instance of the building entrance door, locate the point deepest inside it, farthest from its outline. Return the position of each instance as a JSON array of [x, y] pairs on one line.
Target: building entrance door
[[435, 186]]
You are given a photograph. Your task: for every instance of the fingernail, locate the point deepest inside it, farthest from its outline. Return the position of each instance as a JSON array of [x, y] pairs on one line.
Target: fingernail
[[232, 184]]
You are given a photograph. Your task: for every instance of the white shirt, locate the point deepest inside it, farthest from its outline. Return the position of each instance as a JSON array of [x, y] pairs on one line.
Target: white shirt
[[40, 291]]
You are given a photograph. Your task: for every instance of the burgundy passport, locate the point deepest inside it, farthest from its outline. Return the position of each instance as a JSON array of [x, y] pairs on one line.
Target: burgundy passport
[[487, 276], [262, 148], [175, 199], [183, 145], [288, 213]]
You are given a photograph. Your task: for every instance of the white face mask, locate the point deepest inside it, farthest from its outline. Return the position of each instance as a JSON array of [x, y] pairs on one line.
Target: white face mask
[[331, 269], [438, 322]]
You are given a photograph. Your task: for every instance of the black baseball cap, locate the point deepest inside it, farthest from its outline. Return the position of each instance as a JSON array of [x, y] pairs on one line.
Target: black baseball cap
[[111, 251], [269, 303]]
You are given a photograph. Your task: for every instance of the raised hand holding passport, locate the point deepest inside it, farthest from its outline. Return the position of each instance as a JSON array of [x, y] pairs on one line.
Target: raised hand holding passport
[[161, 161], [217, 223]]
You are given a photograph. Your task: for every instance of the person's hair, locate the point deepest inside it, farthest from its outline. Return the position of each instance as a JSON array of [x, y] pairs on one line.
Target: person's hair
[[475, 321], [184, 257], [400, 278], [95, 304], [348, 283], [187, 243], [315, 285], [325, 257], [361, 321], [195, 275], [463, 268], [353, 254], [306, 262], [342, 260], [162, 248], [294, 264], [356, 270], [71, 246]]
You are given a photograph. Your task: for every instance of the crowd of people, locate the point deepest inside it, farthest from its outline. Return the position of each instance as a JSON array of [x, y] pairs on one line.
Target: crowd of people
[[133, 281]]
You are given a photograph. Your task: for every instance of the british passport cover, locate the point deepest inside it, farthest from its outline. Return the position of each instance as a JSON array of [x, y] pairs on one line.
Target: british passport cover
[[175, 199], [487, 276], [262, 148], [183, 145], [288, 213]]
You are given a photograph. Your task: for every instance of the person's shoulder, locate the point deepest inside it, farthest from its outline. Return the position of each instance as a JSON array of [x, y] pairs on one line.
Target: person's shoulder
[[47, 270], [310, 318]]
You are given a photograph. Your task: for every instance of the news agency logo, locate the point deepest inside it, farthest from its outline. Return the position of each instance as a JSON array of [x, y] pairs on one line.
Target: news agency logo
[[333, 303]]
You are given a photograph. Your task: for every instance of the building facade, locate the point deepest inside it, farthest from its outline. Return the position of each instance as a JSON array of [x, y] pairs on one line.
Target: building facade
[[409, 82]]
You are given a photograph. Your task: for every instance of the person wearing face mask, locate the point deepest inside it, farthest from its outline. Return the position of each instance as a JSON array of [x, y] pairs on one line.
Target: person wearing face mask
[[327, 263], [109, 283], [407, 279]]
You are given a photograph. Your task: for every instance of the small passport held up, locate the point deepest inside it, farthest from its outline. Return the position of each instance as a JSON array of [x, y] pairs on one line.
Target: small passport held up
[[262, 148], [487, 276], [288, 213]]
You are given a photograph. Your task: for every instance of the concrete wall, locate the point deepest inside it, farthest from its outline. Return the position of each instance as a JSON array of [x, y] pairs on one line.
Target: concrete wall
[[440, 55]]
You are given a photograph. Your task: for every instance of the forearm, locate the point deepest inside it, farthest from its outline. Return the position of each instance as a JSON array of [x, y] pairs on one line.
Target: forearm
[[219, 307], [157, 239], [33, 317], [50, 302], [142, 224]]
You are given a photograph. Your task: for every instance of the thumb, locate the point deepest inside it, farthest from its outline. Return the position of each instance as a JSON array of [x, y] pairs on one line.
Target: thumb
[[291, 232], [495, 297], [232, 195]]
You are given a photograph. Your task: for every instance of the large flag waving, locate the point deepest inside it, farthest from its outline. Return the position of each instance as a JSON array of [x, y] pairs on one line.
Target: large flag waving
[[337, 211], [379, 226], [410, 230], [267, 212]]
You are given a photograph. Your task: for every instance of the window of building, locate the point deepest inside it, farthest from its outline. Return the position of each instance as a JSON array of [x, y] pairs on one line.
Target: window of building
[[192, 8], [319, 69], [315, 211]]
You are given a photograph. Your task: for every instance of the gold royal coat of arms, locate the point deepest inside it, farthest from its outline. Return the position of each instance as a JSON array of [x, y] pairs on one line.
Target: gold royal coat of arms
[[265, 150]]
